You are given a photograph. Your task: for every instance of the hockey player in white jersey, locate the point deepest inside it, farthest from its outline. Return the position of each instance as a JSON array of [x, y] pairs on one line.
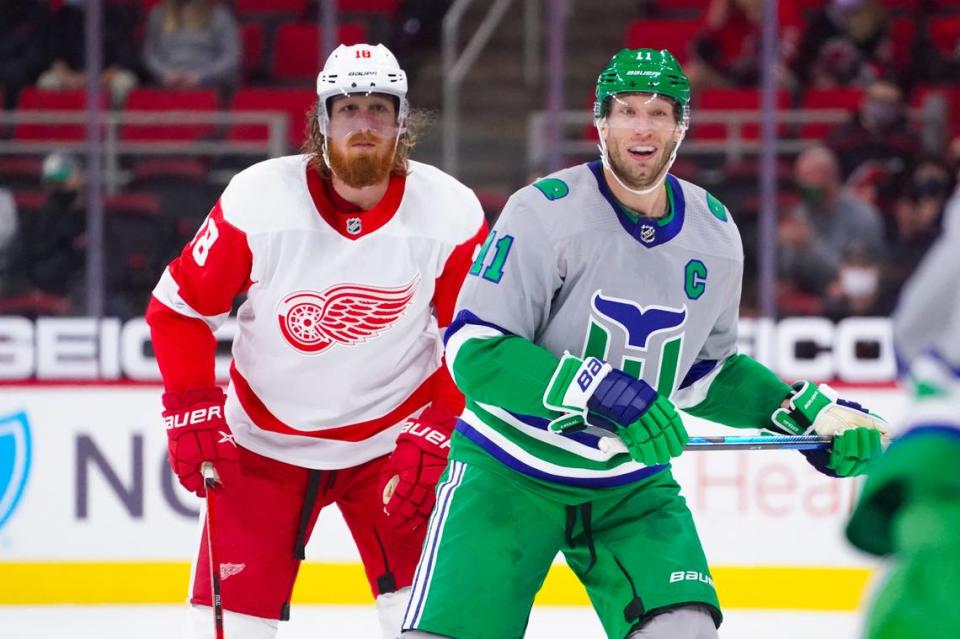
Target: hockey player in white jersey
[[351, 257], [910, 505], [605, 298]]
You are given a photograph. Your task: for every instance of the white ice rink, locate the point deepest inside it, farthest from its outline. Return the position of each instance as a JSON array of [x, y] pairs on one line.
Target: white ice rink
[[328, 622]]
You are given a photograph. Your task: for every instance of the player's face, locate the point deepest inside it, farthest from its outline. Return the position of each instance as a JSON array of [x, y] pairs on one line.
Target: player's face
[[640, 132], [362, 137]]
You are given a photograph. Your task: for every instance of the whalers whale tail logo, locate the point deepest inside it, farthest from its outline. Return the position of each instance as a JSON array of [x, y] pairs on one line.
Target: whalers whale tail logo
[[15, 453], [638, 322], [643, 341]]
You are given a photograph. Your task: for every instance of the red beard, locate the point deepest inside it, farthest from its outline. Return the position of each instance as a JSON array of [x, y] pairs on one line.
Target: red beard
[[365, 168]]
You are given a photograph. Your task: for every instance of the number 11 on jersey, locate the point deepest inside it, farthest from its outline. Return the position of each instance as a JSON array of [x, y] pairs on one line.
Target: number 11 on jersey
[[494, 271]]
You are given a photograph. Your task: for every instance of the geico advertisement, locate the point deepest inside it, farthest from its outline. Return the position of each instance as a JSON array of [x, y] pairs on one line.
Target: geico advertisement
[[83, 476], [855, 350]]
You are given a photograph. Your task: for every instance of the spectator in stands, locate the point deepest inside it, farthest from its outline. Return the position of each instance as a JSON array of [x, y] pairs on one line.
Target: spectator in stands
[[917, 218], [727, 52], [858, 288], [879, 131], [8, 228], [826, 227], [69, 50], [192, 43], [851, 30], [839, 64], [49, 253], [25, 46]]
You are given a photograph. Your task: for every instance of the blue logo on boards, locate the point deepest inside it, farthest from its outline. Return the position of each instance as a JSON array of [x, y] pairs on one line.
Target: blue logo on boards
[[15, 453]]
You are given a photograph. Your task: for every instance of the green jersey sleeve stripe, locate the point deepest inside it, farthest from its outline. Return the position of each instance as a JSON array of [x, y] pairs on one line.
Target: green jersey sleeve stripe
[[519, 448], [553, 439]]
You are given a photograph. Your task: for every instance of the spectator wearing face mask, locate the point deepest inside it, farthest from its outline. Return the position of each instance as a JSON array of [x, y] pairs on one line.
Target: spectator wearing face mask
[[859, 288], [830, 222], [191, 43], [879, 131], [49, 253]]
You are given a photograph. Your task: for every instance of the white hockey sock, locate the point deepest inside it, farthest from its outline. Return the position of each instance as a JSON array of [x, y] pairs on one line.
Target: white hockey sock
[[686, 622], [390, 608], [199, 625]]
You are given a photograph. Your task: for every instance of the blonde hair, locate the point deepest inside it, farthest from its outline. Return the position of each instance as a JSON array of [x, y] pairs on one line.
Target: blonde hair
[[417, 121], [190, 14]]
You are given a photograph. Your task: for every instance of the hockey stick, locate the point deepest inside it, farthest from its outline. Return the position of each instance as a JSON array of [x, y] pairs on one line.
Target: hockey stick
[[210, 480], [777, 442]]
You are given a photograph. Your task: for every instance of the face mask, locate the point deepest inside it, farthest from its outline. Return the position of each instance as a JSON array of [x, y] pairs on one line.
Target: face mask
[[64, 198], [858, 281], [881, 114], [812, 195], [931, 187]]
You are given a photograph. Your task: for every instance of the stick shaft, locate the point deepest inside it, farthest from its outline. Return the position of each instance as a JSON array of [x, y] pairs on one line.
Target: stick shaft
[[799, 442], [209, 480]]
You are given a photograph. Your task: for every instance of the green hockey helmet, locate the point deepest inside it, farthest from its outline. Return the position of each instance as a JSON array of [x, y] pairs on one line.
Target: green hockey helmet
[[643, 71]]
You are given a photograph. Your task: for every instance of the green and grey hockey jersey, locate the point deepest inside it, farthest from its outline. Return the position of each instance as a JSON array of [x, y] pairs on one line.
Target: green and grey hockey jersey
[[567, 269]]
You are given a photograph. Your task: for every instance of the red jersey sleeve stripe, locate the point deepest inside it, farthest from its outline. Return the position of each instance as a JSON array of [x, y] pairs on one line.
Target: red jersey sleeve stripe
[[454, 272], [446, 395]]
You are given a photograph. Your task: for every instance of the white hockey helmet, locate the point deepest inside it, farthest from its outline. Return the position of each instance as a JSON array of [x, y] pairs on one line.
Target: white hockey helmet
[[361, 68]]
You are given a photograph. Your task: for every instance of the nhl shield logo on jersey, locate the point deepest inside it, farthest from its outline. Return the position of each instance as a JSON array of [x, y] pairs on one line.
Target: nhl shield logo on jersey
[[354, 226], [647, 234], [345, 314], [15, 456]]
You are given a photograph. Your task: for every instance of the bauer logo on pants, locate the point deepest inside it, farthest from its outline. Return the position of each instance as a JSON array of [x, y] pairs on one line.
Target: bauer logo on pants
[[14, 462], [346, 314]]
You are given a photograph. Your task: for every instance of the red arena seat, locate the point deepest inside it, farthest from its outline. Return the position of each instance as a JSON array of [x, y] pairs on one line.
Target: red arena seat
[[292, 55], [294, 102], [293, 8], [945, 32], [158, 100], [846, 98], [368, 6], [34, 100], [732, 100], [675, 35], [251, 34]]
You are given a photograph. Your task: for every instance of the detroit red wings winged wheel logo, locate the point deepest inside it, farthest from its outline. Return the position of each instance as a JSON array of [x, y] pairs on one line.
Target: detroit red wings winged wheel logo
[[347, 314]]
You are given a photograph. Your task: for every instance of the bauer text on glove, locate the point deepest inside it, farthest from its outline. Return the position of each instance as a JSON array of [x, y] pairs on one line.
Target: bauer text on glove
[[197, 433], [592, 396]]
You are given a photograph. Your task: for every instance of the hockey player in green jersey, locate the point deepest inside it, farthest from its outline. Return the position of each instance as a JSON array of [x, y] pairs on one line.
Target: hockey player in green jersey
[[605, 298], [910, 505]]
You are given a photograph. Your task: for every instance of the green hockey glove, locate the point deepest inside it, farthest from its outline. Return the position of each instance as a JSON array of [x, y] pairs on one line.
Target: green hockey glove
[[594, 397], [857, 433]]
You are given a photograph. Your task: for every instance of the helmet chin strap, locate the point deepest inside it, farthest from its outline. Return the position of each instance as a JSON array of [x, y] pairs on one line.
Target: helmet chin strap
[[605, 158]]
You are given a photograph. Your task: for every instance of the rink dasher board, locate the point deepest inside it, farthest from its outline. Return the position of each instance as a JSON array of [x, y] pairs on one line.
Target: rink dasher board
[[98, 511]]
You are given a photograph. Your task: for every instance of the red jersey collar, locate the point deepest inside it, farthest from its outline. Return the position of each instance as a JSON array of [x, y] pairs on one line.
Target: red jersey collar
[[348, 219]]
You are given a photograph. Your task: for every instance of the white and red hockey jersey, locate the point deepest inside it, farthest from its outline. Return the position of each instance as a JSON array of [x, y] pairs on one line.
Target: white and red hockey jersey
[[340, 337]]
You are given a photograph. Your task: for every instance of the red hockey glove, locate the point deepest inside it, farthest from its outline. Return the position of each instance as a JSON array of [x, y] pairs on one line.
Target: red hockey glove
[[196, 433], [410, 475]]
